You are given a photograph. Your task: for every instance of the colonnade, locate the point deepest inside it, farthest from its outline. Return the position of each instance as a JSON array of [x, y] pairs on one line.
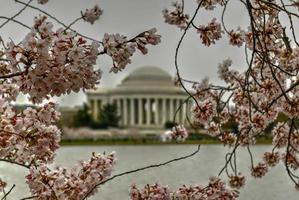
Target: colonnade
[[145, 111]]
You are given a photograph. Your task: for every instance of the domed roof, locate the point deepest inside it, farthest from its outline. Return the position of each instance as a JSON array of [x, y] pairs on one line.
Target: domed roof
[[148, 73], [145, 80], [145, 77]]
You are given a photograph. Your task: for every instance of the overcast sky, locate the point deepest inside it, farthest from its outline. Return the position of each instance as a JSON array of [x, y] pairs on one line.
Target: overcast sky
[[129, 17]]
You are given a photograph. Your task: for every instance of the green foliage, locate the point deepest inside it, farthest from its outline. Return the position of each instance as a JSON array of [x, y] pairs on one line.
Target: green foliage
[[169, 124], [108, 116], [83, 117], [231, 125]]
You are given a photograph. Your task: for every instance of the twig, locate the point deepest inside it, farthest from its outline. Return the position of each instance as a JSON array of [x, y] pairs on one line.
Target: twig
[[141, 169], [4, 197], [13, 162], [18, 13]]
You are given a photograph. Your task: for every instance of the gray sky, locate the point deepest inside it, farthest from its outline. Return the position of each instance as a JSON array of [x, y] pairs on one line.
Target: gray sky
[[130, 17]]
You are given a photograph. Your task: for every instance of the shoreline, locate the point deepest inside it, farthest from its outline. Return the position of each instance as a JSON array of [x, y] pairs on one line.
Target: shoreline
[[146, 142]]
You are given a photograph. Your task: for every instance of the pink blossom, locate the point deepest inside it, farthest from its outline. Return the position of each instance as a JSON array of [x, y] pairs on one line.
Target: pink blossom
[[210, 4], [176, 17], [59, 62], [2, 185], [271, 158], [70, 184], [216, 189], [237, 181], [120, 49], [259, 171], [210, 33], [93, 14], [236, 38], [179, 133], [31, 136]]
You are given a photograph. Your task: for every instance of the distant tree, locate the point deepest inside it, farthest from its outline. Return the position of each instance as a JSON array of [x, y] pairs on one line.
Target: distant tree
[[108, 116], [169, 124], [83, 117]]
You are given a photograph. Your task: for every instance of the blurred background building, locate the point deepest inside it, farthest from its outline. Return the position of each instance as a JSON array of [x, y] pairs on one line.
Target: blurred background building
[[146, 98]]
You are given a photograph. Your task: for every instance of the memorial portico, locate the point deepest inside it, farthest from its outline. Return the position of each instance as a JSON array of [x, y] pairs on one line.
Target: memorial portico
[[146, 98]]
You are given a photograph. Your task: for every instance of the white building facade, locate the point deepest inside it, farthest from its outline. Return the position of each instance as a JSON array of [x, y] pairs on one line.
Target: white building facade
[[146, 98]]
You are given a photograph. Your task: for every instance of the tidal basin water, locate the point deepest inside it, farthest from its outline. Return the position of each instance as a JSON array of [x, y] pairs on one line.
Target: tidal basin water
[[197, 169]]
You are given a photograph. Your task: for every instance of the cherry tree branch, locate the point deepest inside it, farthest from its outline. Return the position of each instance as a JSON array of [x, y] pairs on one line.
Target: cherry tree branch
[[14, 162], [141, 169], [6, 194], [57, 20], [18, 13]]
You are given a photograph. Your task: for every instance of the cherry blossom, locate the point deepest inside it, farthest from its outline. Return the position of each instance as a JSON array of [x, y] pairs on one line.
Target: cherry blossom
[[176, 17], [271, 159], [2, 185], [204, 111], [228, 138], [259, 171], [216, 189], [30, 136], [223, 70], [236, 38], [237, 181], [54, 63], [120, 49], [75, 183], [210, 4], [210, 33], [150, 192], [93, 14], [179, 133]]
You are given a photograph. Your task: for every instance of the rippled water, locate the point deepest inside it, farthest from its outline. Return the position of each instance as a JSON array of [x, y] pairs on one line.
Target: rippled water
[[198, 169]]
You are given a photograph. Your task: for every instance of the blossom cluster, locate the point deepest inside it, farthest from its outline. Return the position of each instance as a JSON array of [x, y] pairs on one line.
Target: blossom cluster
[[210, 4], [53, 62], [216, 189], [179, 133], [120, 49], [260, 170], [150, 192], [2, 185], [261, 99], [271, 158], [223, 70], [210, 33], [228, 138], [70, 184], [236, 38], [29, 137], [237, 181], [176, 17], [93, 14]]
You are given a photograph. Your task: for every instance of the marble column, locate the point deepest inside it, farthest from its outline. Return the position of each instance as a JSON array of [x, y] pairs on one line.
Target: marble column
[[184, 110], [171, 109], [140, 111], [163, 111], [125, 114], [148, 111], [177, 105], [156, 111], [132, 111]]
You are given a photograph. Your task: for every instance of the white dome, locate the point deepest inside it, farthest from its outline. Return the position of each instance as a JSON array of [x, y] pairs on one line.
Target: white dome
[[147, 76]]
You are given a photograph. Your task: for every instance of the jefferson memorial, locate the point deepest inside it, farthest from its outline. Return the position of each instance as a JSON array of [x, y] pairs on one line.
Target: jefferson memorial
[[146, 98]]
